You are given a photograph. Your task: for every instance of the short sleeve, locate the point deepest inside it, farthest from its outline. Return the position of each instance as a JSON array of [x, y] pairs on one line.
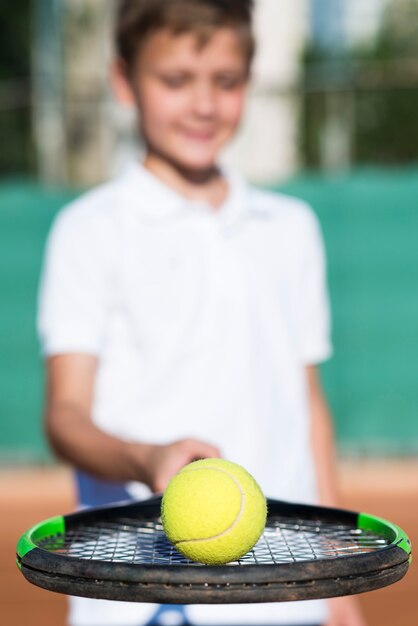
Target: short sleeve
[[314, 328], [73, 289]]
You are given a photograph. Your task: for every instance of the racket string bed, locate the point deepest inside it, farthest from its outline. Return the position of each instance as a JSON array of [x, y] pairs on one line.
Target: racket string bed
[[144, 542]]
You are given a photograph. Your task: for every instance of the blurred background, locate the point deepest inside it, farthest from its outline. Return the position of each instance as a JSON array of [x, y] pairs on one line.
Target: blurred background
[[332, 117]]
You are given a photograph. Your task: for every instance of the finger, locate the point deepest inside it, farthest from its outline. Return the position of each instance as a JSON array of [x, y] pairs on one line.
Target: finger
[[203, 451]]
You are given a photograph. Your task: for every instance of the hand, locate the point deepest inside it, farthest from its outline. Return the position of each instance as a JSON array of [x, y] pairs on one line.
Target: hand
[[161, 462], [345, 611]]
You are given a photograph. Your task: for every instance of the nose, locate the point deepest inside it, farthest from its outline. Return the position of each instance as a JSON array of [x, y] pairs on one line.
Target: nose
[[204, 100]]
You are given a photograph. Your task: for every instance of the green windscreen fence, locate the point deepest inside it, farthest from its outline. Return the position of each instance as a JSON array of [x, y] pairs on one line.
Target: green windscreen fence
[[26, 212], [370, 226]]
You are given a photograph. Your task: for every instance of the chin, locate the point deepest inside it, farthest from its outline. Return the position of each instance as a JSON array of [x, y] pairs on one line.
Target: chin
[[198, 162], [196, 157]]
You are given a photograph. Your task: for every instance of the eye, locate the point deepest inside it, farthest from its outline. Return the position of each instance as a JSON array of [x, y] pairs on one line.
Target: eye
[[229, 81], [174, 81]]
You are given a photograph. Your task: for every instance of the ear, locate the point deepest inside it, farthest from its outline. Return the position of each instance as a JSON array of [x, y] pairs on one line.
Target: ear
[[120, 83]]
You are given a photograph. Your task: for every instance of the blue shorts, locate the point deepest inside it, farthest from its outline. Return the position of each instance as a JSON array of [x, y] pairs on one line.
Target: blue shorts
[[174, 615]]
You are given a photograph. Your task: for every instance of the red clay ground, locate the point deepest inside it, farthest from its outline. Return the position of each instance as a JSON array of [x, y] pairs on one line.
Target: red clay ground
[[386, 489]]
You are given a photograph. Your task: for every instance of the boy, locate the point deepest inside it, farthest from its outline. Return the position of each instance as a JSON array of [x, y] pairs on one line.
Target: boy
[[182, 312]]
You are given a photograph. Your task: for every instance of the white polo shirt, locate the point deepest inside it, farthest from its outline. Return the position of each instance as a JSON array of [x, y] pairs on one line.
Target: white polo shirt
[[203, 322]]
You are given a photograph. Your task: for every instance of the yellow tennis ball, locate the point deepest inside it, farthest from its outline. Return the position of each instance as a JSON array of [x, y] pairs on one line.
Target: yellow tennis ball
[[213, 511]]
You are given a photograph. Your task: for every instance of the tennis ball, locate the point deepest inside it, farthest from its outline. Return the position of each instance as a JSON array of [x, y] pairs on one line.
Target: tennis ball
[[213, 511]]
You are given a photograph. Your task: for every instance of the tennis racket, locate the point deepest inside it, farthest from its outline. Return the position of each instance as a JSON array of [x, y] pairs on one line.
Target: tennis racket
[[121, 553]]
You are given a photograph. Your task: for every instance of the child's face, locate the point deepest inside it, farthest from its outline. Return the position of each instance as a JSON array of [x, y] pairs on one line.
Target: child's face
[[190, 99]]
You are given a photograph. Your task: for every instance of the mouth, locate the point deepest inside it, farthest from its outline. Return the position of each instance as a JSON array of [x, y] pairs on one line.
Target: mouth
[[198, 135]]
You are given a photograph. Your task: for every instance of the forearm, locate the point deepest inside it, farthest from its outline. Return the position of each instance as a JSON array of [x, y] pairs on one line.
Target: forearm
[[323, 442], [76, 439]]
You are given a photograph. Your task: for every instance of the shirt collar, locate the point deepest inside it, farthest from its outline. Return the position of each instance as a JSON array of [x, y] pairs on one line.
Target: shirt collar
[[158, 203]]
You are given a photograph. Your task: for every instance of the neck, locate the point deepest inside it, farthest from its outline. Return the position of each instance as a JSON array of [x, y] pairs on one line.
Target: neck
[[207, 185]]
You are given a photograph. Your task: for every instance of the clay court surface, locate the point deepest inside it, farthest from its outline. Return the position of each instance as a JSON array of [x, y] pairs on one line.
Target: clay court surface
[[27, 496]]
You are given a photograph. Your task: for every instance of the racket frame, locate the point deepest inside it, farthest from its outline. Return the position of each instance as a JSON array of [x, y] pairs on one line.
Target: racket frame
[[190, 584]]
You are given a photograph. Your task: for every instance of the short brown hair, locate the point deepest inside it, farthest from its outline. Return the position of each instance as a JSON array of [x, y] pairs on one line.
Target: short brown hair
[[136, 19]]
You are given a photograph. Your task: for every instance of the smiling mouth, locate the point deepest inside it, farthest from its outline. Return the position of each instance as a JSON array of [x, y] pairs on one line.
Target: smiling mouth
[[198, 135]]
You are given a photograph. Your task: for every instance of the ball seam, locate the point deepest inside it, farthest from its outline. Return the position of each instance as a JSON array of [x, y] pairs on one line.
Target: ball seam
[[236, 520]]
